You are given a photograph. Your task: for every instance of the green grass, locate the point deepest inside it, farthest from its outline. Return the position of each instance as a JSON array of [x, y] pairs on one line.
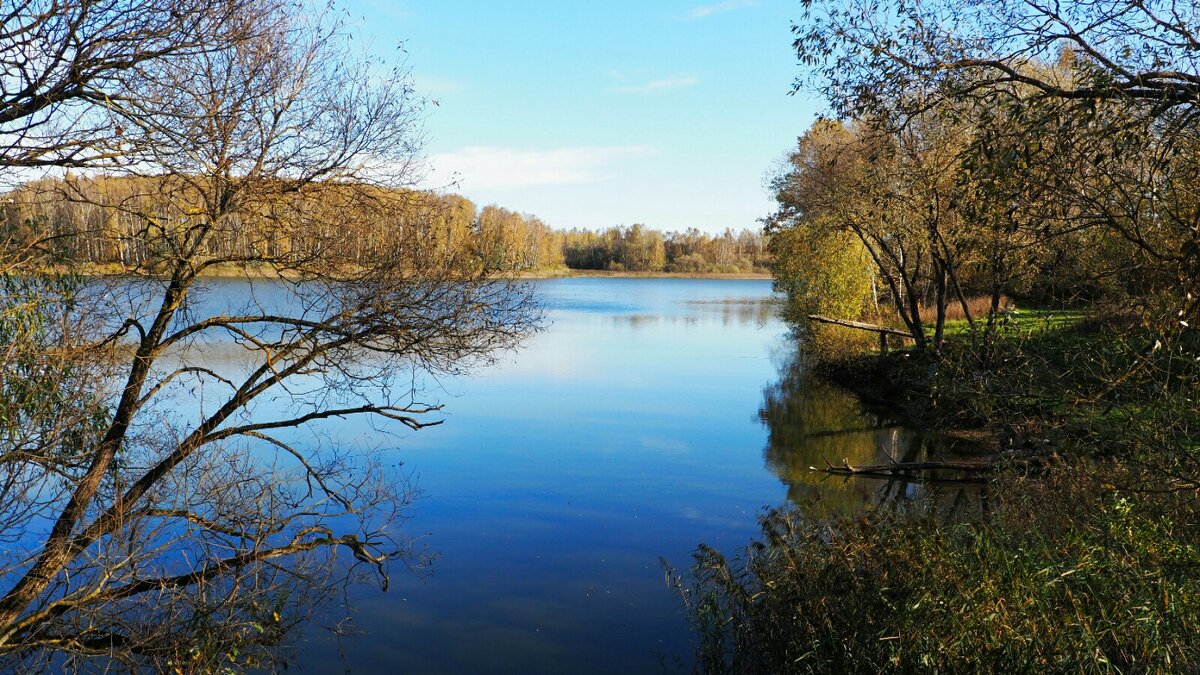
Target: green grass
[[1091, 383]]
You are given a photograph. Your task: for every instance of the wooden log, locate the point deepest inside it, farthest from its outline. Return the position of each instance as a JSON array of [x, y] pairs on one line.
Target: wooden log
[[979, 465], [849, 470], [885, 330]]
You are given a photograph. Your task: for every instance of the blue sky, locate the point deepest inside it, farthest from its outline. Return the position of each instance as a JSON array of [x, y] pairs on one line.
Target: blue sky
[[591, 114]]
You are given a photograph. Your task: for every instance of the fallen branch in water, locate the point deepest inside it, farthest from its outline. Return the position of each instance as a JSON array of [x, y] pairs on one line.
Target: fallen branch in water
[[846, 468], [981, 465]]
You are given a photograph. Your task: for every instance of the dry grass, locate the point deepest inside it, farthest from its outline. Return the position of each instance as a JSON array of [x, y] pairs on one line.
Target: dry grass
[[978, 304]]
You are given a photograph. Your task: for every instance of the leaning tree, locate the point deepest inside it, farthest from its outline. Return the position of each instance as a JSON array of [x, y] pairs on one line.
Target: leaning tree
[[169, 497]]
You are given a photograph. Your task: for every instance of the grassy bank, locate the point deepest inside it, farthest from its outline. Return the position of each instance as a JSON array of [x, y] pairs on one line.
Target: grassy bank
[[1088, 566], [1094, 383], [218, 271]]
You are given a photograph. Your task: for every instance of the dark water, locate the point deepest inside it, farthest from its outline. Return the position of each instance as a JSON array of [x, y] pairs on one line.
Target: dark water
[[651, 416]]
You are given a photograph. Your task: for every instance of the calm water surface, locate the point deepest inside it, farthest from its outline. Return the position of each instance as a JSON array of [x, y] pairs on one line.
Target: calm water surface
[[652, 415]]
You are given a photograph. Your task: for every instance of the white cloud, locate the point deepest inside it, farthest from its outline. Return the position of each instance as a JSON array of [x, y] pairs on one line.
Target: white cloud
[[484, 167], [435, 85], [656, 85], [718, 7]]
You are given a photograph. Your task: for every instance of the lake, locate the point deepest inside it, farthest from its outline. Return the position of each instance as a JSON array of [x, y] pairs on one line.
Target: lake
[[650, 416]]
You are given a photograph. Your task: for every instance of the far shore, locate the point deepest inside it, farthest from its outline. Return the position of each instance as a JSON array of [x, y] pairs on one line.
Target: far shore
[[570, 273], [240, 271]]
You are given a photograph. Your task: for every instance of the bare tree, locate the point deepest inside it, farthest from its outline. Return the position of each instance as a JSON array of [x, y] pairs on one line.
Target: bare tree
[[166, 538], [66, 69], [869, 56]]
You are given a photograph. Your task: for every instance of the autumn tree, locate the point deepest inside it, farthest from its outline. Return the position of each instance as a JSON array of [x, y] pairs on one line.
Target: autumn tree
[[872, 218], [820, 264], [1105, 97]]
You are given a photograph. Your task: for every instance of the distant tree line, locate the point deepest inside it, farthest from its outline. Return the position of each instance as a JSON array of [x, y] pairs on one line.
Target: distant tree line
[[640, 249], [104, 220]]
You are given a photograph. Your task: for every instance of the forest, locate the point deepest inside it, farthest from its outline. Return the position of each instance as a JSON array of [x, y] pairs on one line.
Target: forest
[[101, 220]]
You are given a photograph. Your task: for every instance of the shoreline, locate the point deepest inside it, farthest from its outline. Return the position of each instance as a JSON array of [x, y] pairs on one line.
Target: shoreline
[[239, 271], [887, 383], [606, 274]]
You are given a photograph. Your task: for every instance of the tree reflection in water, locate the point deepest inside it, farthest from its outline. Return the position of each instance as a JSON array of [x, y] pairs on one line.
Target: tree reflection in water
[[812, 422]]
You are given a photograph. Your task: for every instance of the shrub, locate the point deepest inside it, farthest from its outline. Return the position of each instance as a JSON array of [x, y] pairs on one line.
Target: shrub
[[1064, 576]]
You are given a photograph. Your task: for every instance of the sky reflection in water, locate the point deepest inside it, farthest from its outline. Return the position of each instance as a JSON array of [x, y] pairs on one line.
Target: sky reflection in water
[[652, 415]]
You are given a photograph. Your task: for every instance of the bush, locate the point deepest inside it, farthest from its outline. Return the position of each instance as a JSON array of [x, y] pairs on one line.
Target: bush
[[1064, 576]]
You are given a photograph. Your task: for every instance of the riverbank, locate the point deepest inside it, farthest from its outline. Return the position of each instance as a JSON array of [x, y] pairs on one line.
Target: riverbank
[[1039, 382], [1084, 565]]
